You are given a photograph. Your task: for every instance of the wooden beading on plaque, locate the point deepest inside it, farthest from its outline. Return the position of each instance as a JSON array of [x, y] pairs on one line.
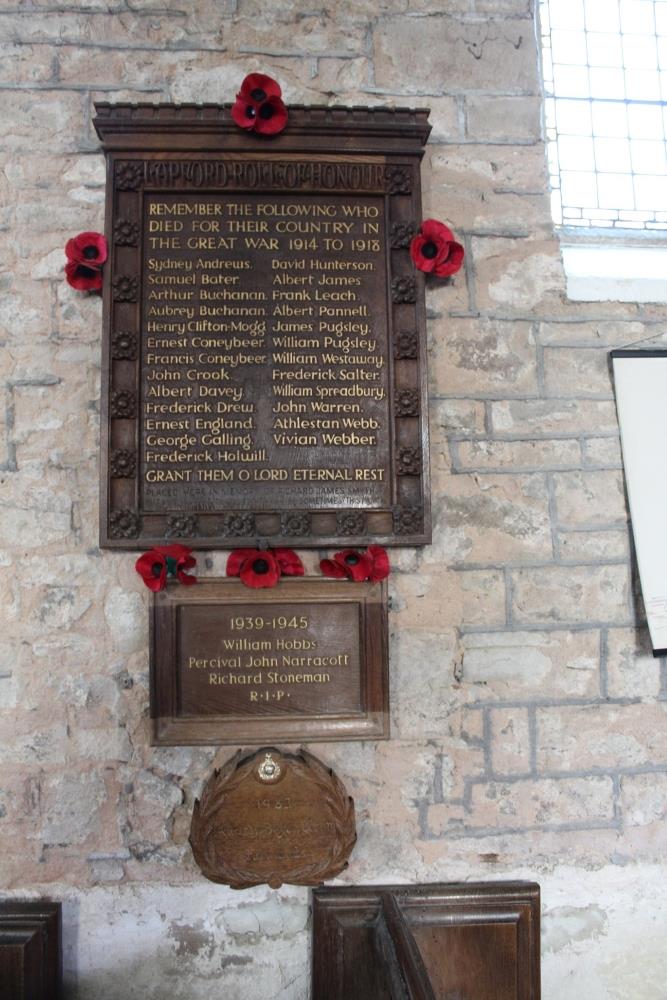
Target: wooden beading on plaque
[[264, 346], [303, 661]]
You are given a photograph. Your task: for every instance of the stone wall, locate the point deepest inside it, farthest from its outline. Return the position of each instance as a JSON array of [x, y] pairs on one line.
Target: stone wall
[[528, 715]]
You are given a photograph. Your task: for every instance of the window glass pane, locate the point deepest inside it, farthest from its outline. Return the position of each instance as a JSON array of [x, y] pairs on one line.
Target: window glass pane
[[601, 15], [661, 17], [569, 47], [645, 121], [578, 188], [607, 82], [576, 153], [637, 17], [573, 117], [616, 191], [609, 119], [571, 81], [648, 157], [639, 52], [567, 14], [642, 85], [604, 49], [613, 155], [651, 193]]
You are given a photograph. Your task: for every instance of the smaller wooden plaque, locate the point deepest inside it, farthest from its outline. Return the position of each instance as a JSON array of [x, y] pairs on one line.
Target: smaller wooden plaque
[[272, 817], [303, 661]]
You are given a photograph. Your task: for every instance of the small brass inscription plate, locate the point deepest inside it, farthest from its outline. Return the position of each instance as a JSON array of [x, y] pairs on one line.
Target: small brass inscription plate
[[306, 660], [273, 817]]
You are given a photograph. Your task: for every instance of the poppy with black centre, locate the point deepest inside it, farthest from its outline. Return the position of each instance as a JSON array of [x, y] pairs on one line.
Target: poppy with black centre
[[258, 106]]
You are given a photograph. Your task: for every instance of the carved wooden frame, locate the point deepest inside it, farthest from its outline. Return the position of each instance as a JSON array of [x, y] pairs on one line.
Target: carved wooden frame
[[154, 148], [171, 728]]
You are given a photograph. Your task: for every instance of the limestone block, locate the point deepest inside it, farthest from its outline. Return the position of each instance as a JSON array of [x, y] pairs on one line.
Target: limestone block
[[503, 118], [341, 76], [632, 670], [575, 738], [589, 546], [605, 333], [484, 357], [24, 308], [563, 594], [126, 617], [151, 804], [519, 456], [546, 802], [490, 519], [603, 451], [320, 33], [491, 55], [456, 416], [483, 597], [510, 741], [508, 168], [644, 800], [71, 804], [552, 416], [25, 64], [518, 275], [421, 682], [590, 499], [53, 120], [580, 372], [530, 665]]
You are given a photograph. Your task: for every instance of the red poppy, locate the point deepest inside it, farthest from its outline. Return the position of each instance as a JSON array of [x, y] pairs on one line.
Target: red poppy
[[258, 106], [373, 565], [87, 248], [166, 561], [435, 250], [263, 567], [289, 562], [82, 277]]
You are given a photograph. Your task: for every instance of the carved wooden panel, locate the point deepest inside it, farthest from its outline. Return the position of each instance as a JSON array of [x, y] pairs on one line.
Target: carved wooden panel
[[273, 817], [30, 951], [470, 941], [264, 345]]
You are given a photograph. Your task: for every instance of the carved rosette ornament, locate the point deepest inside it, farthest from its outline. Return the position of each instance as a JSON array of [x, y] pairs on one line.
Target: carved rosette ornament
[[123, 524], [129, 176], [295, 524], [239, 525], [126, 233], [408, 520], [123, 463], [124, 346], [273, 817], [409, 462], [402, 234], [406, 403], [123, 404], [182, 526], [126, 288], [404, 290], [398, 180], [350, 522], [406, 345]]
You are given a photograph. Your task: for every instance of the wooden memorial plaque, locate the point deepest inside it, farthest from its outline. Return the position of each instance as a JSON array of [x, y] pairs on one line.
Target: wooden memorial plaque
[[273, 817], [264, 368], [303, 661]]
